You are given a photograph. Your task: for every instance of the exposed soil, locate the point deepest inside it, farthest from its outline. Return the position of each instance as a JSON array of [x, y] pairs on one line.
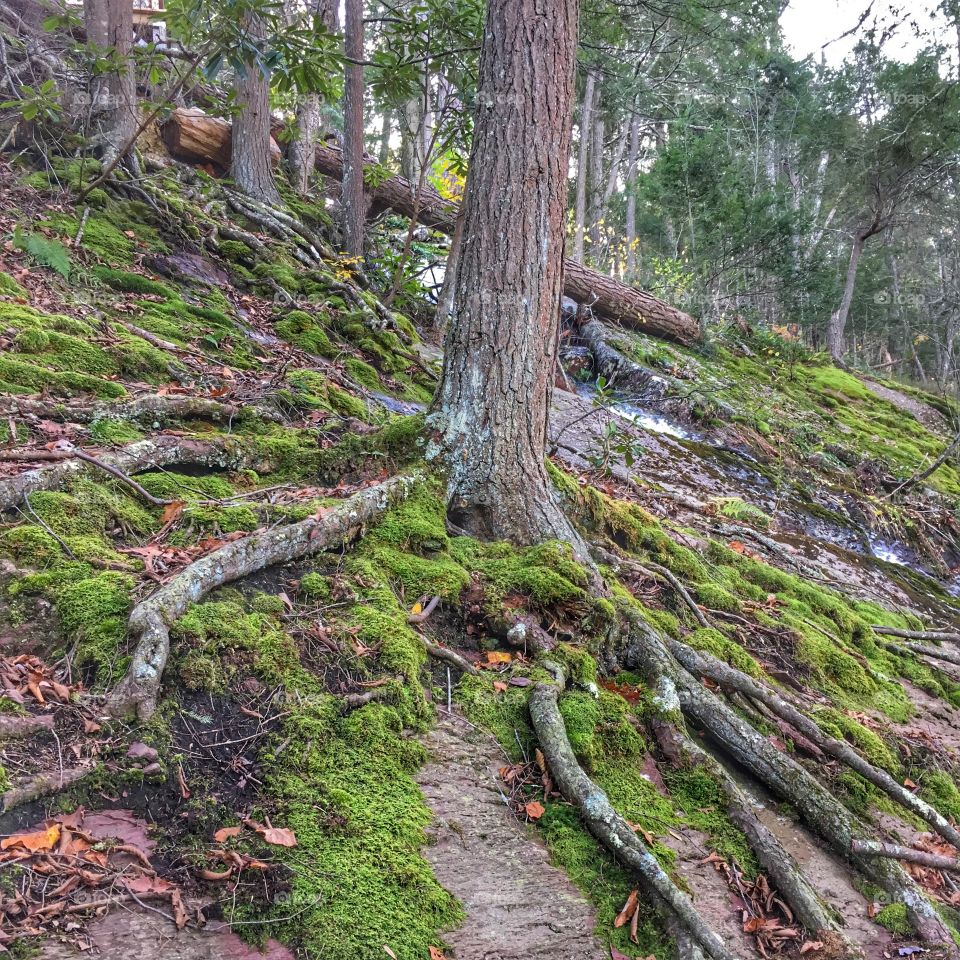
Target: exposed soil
[[925, 414], [517, 905]]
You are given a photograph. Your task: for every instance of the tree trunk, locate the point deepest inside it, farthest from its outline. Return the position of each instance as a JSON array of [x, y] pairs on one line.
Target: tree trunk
[[631, 215], [250, 163], [109, 26], [449, 288], [353, 199], [501, 352], [596, 184], [838, 320], [583, 154]]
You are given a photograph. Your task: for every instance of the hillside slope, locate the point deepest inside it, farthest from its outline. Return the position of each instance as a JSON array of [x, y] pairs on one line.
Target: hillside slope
[[190, 389]]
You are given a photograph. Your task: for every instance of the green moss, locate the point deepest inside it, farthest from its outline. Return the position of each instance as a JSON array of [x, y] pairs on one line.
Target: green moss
[[301, 329], [114, 432], [316, 587], [715, 597], [133, 283], [869, 744], [11, 288], [723, 648], [940, 790], [363, 374], [893, 918]]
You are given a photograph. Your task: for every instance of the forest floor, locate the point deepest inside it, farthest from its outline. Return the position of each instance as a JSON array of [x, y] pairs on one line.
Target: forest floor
[[338, 765]]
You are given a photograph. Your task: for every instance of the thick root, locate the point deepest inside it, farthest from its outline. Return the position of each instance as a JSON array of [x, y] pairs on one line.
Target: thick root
[[936, 861], [150, 620], [785, 874], [142, 455], [43, 786], [780, 773], [606, 824], [704, 665]]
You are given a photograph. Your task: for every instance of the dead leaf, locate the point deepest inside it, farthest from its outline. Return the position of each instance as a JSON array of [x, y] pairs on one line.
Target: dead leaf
[[171, 512], [34, 842], [498, 656], [629, 909], [436, 954], [215, 875], [278, 836], [389, 952], [534, 809], [810, 945], [520, 681], [499, 686], [225, 833]]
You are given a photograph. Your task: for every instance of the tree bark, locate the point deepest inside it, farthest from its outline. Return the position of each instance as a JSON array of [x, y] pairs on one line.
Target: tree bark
[[583, 154], [250, 163], [596, 183], [109, 26], [631, 215], [491, 409], [838, 319], [449, 288], [352, 195]]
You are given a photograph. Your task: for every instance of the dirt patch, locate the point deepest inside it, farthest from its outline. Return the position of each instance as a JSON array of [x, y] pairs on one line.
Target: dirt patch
[[930, 418], [517, 905]]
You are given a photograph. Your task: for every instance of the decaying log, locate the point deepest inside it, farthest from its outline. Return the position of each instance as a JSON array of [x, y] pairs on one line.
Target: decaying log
[[922, 650], [222, 452], [604, 822], [703, 664], [151, 619], [935, 861], [678, 690], [192, 136]]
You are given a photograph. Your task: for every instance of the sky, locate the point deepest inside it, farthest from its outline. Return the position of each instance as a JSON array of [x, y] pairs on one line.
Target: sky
[[809, 24]]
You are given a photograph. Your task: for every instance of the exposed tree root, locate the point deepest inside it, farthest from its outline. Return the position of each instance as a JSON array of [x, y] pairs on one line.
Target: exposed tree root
[[934, 653], [619, 371], [150, 620], [645, 651], [451, 656], [936, 861], [605, 823], [704, 664], [949, 635], [148, 407], [43, 786], [786, 875], [143, 455], [15, 726]]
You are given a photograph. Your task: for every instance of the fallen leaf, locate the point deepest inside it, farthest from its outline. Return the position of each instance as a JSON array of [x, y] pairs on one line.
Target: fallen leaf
[[436, 954], [171, 512], [810, 945], [534, 809], [225, 833], [520, 681], [389, 952], [498, 656], [414, 610], [34, 842], [499, 686], [215, 875], [278, 836], [629, 909], [90, 726]]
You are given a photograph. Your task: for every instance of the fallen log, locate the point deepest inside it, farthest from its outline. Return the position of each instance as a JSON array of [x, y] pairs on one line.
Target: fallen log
[[949, 635], [193, 136]]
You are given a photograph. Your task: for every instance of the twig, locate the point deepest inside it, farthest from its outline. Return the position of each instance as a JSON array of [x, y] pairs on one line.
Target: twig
[[46, 527], [425, 612]]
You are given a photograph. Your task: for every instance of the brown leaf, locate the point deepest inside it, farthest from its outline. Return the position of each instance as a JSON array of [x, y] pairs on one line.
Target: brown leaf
[[534, 809], [809, 945], [171, 512], [278, 836], [498, 656], [34, 842], [499, 686], [91, 726], [436, 954], [629, 909], [225, 833], [215, 875]]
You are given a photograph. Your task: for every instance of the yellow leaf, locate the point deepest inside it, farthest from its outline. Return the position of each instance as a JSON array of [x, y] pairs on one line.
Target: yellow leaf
[[34, 842], [416, 608]]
